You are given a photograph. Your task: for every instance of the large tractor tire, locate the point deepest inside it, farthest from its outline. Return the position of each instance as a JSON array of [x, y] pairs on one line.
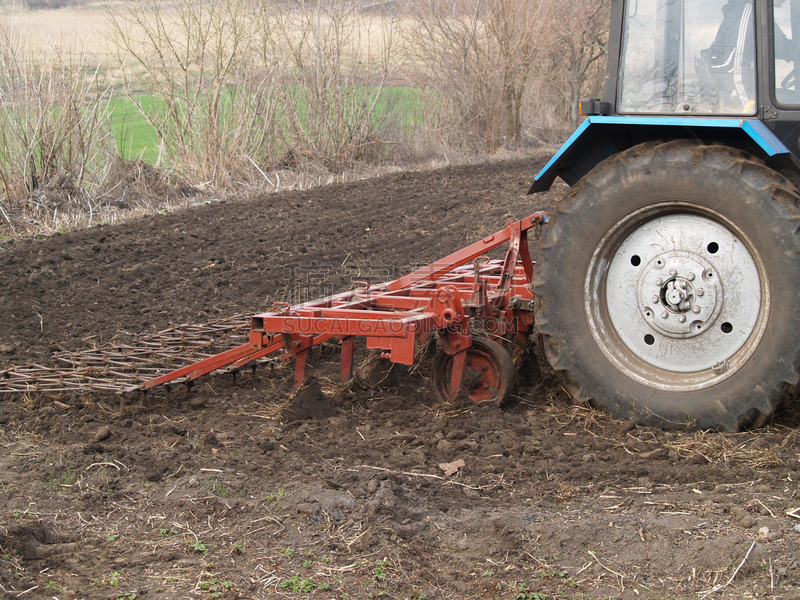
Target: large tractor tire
[[669, 287]]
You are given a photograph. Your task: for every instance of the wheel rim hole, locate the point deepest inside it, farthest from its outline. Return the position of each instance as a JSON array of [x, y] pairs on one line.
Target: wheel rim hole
[[636, 260], [726, 327], [713, 248], [649, 340]]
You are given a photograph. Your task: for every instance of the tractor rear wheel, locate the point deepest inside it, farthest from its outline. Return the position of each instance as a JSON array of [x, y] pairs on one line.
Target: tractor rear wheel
[[668, 288]]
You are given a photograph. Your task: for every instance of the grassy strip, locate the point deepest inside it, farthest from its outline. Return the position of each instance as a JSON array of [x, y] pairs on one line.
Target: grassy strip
[[137, 139], [135, 136]]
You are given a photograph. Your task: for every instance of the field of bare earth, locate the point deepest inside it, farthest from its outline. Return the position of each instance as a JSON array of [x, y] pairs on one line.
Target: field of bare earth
[[246, 488]]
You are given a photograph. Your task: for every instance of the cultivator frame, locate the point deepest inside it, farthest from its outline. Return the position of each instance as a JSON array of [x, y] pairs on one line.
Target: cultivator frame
[[442, 297]]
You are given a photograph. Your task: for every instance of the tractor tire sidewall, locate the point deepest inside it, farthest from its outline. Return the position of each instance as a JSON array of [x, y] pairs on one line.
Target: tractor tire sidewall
[[731, 183]]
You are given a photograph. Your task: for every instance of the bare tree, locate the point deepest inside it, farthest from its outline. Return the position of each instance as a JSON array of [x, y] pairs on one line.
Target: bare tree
[[338, 60], [477, 56], [54, 127], [575, 68], [216, 105]]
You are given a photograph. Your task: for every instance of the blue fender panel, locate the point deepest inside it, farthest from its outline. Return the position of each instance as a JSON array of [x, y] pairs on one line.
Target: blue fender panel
[[600, 137]]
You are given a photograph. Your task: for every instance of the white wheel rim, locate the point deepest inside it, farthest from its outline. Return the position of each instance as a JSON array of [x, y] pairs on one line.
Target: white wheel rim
[[676, 300]]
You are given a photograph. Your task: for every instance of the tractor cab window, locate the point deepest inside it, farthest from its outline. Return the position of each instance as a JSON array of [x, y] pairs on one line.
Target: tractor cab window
[[688, 57], [786, 53]]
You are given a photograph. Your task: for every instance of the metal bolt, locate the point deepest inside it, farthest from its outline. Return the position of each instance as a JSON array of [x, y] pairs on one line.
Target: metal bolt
[[664, 315], [690, 277], [655, 299], [721, 367], [696, 310], [682, 319], [700, 291], [659, 281], [673, 272]]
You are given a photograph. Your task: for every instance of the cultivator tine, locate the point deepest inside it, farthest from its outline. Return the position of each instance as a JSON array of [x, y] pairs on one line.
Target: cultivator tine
[[300, 363], [458, 371], [348, 351]]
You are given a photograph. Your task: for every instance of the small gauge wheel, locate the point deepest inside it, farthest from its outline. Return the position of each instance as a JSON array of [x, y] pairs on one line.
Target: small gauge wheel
[[488, 373]]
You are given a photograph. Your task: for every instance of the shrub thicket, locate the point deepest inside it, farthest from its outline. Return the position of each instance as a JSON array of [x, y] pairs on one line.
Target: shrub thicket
[[247, 94]]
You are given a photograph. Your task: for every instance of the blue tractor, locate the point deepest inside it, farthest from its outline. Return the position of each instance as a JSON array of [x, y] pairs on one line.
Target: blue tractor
[[668, 285]]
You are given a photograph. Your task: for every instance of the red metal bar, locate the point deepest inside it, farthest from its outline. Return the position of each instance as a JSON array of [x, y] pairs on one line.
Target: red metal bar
[[348, 351], [457, 371], [300, 363], [240, 355], [443, 266]]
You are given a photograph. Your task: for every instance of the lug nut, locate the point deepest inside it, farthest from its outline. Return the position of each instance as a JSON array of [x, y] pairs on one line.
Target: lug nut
[[655, 299], [700, 291], [690, 277], [659, 281], [673, 272], [696, 310], [664, 315], [682, 319]]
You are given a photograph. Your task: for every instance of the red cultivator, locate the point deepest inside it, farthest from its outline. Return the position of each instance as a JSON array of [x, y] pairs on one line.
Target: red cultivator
[[443, 297]]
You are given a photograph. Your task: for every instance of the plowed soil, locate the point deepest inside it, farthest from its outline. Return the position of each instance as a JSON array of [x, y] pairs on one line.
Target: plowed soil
[[248, 489]]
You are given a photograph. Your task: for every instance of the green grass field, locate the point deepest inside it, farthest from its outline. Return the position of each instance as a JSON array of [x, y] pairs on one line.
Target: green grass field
[[136, 137]]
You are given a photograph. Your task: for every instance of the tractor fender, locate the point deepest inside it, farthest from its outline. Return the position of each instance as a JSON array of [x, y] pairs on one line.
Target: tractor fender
[[599, 137]]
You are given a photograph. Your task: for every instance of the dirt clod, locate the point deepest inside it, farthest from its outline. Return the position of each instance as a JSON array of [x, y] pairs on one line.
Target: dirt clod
[[101, 433], [309, 403]]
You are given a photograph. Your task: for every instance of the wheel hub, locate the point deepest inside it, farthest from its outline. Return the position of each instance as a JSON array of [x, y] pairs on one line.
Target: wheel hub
[[679, 295], [683, 294]]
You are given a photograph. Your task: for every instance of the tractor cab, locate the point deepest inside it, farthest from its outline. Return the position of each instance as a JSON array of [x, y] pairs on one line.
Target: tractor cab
[[702, 58], [716, 70], [710, 58]]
